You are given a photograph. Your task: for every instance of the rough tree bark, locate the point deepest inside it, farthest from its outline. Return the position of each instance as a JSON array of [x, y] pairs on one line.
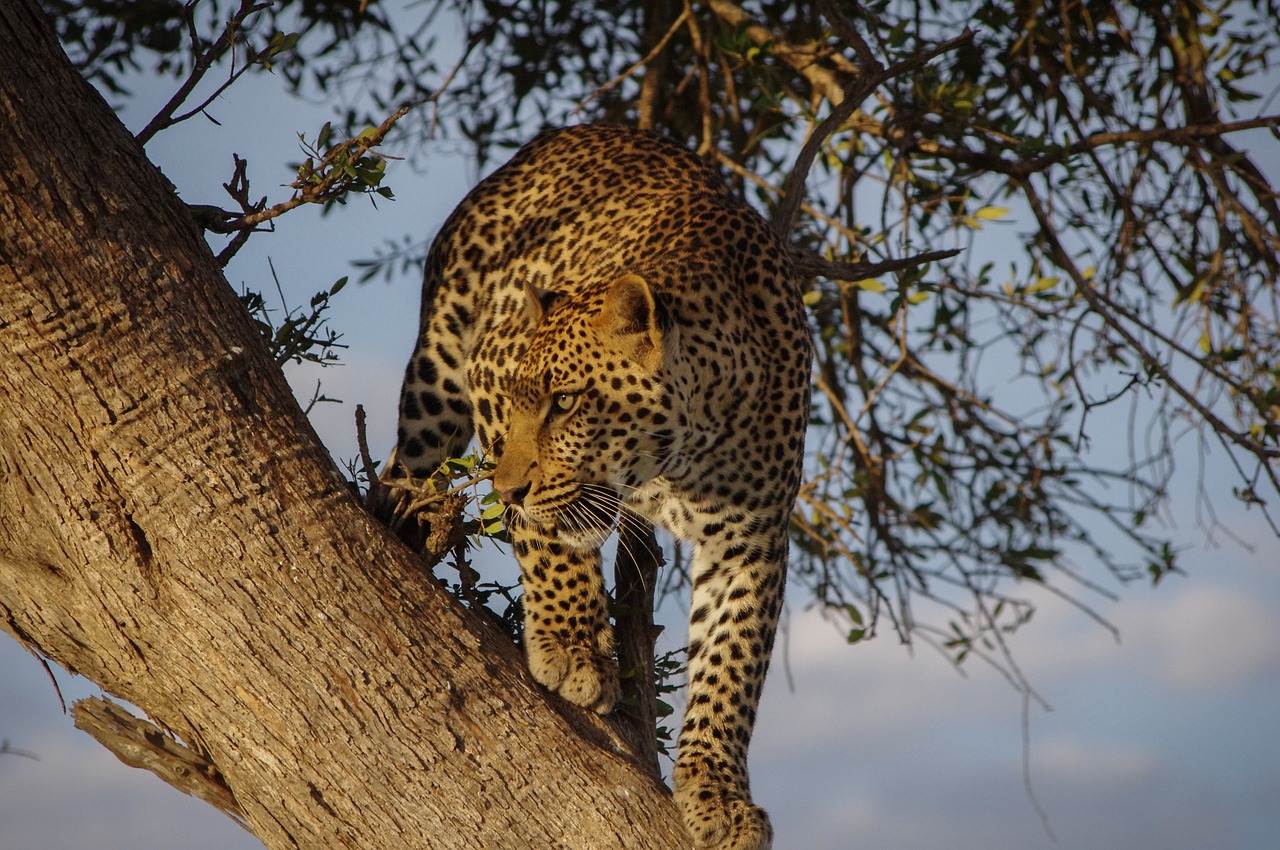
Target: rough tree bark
[[171, 528]]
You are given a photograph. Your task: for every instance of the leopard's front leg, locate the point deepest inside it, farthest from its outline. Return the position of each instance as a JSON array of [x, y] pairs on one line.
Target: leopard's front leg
[[567, 637], [738, 578]]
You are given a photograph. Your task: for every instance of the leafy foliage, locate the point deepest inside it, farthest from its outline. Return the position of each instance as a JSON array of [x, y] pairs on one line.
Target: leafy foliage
[[108, 39], [1002, 419]]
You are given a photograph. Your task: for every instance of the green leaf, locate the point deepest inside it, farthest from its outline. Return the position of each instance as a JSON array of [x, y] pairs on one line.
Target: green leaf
[[991, 213], [1191, 294], [462, 465], [868, 285], [1043, 283]]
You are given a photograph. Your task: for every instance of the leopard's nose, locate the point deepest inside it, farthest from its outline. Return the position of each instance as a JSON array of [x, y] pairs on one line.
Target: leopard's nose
[[514, 496]]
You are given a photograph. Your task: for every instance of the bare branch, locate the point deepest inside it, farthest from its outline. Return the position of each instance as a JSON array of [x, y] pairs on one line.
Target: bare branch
[[1186, 135], [808, 263], [1099, 306]]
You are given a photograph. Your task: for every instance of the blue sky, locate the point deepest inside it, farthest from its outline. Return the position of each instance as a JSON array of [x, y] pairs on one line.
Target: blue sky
[[1166, 739]]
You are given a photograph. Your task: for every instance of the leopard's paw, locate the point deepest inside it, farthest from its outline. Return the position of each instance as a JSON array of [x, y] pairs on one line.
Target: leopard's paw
[[592, 682], [580, 676], [718, 821]]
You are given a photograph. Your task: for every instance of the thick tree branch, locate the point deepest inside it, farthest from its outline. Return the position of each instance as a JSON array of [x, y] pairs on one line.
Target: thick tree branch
[[635, 579], [171, 528]]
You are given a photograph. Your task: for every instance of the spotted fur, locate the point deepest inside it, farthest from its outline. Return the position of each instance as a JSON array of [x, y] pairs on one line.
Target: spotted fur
[[628, 338]]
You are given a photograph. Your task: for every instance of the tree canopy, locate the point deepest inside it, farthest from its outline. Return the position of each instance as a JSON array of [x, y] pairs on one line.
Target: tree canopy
[[1097, 171]]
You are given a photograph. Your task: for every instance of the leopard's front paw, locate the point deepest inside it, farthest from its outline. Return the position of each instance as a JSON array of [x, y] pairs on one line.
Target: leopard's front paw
[[719, 820], [579, 675]]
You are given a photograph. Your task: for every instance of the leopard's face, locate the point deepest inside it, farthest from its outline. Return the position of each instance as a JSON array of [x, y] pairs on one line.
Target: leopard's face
[[592, 417]]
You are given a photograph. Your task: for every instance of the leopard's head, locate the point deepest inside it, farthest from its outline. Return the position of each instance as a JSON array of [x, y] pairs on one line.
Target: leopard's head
[[592, 411]]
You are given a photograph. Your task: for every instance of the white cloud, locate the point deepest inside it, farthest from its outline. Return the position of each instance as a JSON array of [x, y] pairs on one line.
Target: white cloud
[[877, 748], [1206, 636], [1093, 764]]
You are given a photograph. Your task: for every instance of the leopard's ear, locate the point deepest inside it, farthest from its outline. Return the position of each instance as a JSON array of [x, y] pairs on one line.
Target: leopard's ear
[[539, 302], [633, 320]]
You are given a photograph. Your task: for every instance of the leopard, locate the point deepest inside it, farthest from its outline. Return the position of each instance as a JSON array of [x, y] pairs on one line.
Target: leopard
[[627, 338]]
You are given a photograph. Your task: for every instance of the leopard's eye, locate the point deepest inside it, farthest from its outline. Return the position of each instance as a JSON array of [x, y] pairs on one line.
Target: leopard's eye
[[563, 402]]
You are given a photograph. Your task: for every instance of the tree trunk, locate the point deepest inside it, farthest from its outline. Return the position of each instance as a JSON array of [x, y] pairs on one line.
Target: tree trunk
[[171, 528]]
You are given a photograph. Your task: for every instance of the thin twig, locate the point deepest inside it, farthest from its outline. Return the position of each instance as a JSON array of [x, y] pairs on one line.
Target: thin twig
[[1099, 306], [377, 492], [334, 184], [203, 62], [703, 65], [648, 57]]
